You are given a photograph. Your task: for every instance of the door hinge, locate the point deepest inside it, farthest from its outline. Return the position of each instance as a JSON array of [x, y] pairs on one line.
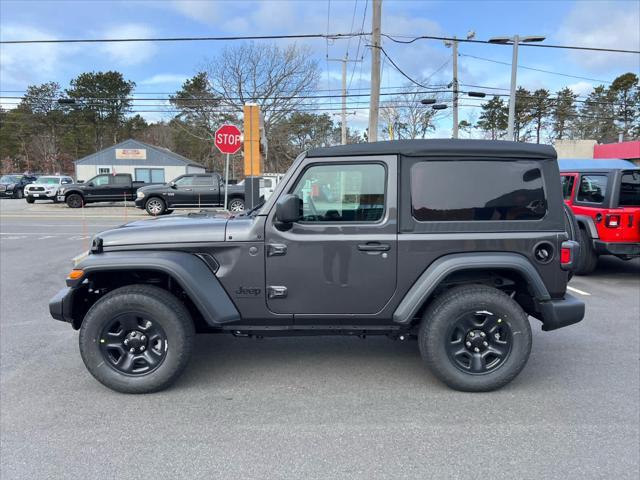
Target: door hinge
[[276, 292], [276, 250]]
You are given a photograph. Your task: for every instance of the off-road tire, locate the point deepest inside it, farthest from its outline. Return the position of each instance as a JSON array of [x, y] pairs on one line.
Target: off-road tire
[[443, 312], [30, 199], [155, 206], [572, 229], [74, 200], [171, 315], [588, 257]]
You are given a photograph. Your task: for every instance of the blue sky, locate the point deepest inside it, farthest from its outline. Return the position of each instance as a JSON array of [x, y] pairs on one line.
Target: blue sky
[[163, 67]]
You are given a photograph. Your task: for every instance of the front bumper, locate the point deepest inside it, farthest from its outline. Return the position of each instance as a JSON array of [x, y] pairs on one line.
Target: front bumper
[[139, 202], [618, 249], [45, 195], [560, 313], [6, 193], [60, 306]]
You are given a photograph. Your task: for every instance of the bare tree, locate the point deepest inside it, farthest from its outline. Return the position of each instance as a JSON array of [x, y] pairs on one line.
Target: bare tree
[[405, 117], [273, 77]]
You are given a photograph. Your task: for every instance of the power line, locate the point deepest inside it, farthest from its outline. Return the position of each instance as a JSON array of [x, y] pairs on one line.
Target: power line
[[535, 69], [395, 65], [537, 45], [333, 36]]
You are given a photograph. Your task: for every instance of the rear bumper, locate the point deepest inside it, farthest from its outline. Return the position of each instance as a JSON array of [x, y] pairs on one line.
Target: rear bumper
[[560, 313], [60, 306], [613, 248]]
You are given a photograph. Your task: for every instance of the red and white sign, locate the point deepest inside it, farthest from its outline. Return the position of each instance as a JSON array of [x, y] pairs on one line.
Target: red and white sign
[[228, 139]]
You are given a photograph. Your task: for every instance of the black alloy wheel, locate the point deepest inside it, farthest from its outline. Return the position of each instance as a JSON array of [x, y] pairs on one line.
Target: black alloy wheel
[[74, 201], [478, 342], [133, 344]]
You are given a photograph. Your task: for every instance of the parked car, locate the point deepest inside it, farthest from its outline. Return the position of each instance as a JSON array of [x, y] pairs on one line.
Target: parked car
[[12, 185], [101, 188], [190, 191], [604, 195], [46, 187], [454, 242]]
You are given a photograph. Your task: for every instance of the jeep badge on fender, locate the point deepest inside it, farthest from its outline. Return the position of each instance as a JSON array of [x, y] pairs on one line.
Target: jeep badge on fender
[[454, 242]]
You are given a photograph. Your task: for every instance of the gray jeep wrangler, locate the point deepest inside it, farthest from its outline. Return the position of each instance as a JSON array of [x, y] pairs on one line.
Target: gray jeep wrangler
[[455, 242]]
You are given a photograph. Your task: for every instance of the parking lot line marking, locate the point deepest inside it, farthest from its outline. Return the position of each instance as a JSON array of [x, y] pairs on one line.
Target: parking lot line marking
[[581, 292]]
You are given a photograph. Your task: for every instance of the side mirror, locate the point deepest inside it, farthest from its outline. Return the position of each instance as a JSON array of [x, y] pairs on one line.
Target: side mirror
[[90, 184], [80, 181], [289, 209], [172, 184]]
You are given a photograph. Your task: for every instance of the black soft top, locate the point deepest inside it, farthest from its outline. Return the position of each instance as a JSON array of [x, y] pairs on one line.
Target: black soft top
[[441, 148]]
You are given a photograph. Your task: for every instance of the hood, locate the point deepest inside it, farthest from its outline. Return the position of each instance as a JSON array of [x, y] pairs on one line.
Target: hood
[[191, 228]]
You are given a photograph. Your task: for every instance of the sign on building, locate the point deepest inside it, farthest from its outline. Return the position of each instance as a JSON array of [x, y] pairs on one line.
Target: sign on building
[[131, 153]]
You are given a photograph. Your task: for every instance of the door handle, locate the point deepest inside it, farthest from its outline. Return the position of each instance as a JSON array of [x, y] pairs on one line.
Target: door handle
[[374, 247]]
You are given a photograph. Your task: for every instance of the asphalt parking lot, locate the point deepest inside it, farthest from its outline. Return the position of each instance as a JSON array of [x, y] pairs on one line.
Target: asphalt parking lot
[[305, 407]]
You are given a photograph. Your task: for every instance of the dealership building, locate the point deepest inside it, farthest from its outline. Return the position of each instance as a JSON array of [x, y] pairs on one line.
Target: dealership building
[[146, 163]]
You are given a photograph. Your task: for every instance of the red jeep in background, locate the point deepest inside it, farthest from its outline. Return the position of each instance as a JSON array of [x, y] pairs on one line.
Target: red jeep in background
[[604, 196]]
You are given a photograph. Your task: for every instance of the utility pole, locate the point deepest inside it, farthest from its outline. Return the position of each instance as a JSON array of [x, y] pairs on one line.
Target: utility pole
[[374, 107], [455, 84], [455, 87], [344, 61]]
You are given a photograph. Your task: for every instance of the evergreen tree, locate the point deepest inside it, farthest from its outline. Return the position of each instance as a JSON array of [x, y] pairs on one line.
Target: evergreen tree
[[493, 118]]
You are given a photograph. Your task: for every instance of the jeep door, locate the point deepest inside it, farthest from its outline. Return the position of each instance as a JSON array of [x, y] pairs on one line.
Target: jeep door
[[338, 261]]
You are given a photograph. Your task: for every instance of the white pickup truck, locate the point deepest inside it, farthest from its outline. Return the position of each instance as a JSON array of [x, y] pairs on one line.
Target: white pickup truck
[[268, 184]]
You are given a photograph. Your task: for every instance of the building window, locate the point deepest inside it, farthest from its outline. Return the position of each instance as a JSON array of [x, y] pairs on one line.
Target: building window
[[150, 175], [477, 190], [104, 170]]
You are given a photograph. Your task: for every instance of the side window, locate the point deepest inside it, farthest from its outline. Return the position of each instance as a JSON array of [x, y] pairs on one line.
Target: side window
[[100, 180], [184, 181], [477, 190], [121, 180], [567, 186], [630, 189], [593, 188], [203, 180], [67, 180], [342, 193]]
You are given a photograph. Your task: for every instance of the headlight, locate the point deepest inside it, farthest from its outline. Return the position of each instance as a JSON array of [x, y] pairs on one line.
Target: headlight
[[10, 186], [140, 194]]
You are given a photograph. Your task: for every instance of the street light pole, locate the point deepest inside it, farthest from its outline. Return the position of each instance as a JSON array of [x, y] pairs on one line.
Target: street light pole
[[515, 40], [512, 96]]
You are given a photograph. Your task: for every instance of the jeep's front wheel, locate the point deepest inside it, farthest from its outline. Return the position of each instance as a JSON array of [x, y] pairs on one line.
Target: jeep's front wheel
[[137, 339], [475, 338]]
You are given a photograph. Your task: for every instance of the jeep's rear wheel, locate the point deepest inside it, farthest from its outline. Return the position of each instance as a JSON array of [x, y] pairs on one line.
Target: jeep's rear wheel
[[74, 201], [155, 206], [137, 339], [588, 257], [475, 338]]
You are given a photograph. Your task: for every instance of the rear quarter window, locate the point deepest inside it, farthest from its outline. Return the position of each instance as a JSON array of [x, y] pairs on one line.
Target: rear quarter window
[[477, 190], [593, 188], [630, 189]]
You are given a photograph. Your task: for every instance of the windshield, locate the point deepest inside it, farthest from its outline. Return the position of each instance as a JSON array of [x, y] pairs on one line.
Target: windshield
[[48, 180], [9, 179], [630, 189]]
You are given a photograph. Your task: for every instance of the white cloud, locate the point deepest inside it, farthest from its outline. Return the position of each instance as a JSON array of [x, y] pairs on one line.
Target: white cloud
[[30, 64], [164, 79], [129, 53], [581, 88], [202, 11], [603, 25]]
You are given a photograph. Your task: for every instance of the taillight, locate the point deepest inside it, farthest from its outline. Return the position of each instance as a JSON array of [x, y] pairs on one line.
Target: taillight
[[565, 256], [612, 221]]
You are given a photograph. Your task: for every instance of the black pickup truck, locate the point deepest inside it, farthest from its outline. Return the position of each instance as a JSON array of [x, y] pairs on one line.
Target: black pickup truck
[[101, 188], [190, 191]]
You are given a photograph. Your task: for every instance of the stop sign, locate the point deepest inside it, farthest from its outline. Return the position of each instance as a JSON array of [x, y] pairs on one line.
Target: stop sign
[[228, 139]]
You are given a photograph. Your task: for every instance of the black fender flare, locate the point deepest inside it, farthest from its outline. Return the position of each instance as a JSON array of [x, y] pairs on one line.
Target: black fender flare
[[71, 192], [188, 270], [588, 224], [426, 283]]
